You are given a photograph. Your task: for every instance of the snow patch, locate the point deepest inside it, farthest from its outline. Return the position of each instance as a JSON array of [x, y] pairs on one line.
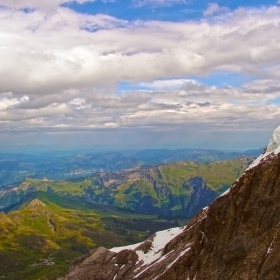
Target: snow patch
[[270, 248], [272, 149], [174, 261], [129, 247], [160, 239], [226, 192], [274, 142], [179, 256], [203, 216]]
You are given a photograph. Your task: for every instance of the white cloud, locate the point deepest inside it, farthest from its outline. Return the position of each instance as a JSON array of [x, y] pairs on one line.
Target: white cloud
[[55, 73], [194, 103], [140, 3], [59, 53], [7, 101], [214, 8], [47, 5], [170, 84]]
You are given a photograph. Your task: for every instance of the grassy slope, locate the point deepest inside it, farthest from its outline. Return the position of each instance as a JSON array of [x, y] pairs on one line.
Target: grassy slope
[[59, 229], [218, 175], [127, 192]]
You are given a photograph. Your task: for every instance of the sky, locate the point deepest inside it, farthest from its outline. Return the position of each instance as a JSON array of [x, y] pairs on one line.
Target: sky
[[137, 74]]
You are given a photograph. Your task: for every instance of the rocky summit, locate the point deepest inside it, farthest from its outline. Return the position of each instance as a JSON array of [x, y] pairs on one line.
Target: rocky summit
[[236, 237]]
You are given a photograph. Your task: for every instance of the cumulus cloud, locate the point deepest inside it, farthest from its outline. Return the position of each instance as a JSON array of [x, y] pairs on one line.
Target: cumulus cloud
[[140, 3], [166, 84], [214, 8], [47, 5], [194, 103], [69, 50], [62, 70], [6, 102]]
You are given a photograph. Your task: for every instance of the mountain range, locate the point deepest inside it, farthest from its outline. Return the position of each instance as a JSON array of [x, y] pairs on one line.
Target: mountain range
[[58, 166], [167, 190], [46, 223], [236, 237]]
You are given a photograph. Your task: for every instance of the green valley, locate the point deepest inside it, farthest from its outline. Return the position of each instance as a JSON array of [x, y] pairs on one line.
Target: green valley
[[48, 223], [45, 231]]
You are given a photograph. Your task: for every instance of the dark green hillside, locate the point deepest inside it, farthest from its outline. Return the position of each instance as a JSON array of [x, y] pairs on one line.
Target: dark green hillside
[[218, 175], [166, 190], [46, 230]]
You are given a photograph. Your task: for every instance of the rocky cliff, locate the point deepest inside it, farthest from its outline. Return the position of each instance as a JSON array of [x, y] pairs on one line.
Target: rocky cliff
[[12, 195], [236, 237]]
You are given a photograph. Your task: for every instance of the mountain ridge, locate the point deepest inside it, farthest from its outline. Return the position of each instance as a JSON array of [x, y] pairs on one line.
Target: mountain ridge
[[55, 166], [236, 237], [167, 190]]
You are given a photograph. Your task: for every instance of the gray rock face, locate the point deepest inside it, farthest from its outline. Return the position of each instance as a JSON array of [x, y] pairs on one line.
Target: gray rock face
[[200, 197], [14, 195], [236, 237], [119, 265]]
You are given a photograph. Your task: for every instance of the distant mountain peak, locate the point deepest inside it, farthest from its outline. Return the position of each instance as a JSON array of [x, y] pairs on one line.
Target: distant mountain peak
[[272, 149], [274, 143], [36, 203], [4, 219]]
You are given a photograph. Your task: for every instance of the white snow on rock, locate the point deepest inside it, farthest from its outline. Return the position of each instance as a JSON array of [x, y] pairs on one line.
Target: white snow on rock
[[128, 247], [159, 240], [274, 142], [272, 149]]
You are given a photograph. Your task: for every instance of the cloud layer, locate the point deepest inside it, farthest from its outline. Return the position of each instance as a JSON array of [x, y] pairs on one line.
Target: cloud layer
[[48, 6], [62, 70], [140, 3]]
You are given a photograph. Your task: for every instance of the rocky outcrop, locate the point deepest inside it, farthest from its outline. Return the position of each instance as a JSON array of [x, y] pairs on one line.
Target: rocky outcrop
[[120, 264], [236, 237], [201, 196], [13, 195]]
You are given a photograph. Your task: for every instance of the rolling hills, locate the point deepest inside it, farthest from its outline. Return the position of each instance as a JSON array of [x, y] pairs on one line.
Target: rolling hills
[[165, 190], [42, 233], [46, 223]]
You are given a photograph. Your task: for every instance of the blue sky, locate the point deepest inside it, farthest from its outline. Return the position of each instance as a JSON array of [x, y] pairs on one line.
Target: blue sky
[[158, 10], [138, 74]]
